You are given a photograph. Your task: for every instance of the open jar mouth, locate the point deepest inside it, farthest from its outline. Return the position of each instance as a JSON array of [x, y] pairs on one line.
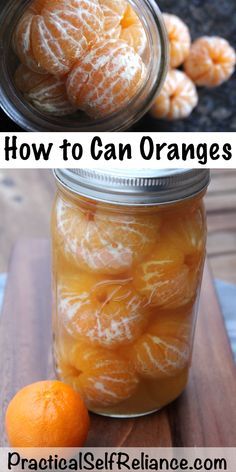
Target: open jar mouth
[[29, 118]]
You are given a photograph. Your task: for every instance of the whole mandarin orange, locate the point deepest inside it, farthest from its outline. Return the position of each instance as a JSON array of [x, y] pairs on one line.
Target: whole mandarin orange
[[47, 414]]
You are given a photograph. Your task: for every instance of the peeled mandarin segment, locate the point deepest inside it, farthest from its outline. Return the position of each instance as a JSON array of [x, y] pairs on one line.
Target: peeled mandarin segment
[[170, 324], [56, 44], [22, 42], [45, 92], [108, 244], [66, 371], [159, 357], [26, 79], [84, 356], [187, 233], [164, 285], [137, 233], [135, 36], [86, 16], [38, 5], [179, 39], [105, 79], [113, 12], [130, 18], [104, 312], [211, 61], [115, 32], [177, 98], [107, 384], [64, 31]]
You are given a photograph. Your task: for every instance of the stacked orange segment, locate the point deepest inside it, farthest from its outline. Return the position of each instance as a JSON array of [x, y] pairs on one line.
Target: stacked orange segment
[[130, 17], [37, 5], [163, 279], [177, 98], [105, 243], [82, 356], [107, 383], [175, 323], [100, 376], [105, 312], [22, 42], [64, 31], [187, 233], [211, 61], [159, 357], [113, 13], [127, 283], [46, 92], [179, 39], [106, 78], [133, 31], [83, 39]]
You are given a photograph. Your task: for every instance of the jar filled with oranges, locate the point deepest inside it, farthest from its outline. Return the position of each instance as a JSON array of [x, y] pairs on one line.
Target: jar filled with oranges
[[81, 65], [128, 256]]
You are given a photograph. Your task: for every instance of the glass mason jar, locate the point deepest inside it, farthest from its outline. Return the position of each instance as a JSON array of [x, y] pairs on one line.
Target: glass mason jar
[[155, 58], [128, 256]]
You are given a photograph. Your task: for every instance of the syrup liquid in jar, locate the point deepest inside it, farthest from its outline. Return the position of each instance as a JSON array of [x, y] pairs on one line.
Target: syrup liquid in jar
[[126, 282]]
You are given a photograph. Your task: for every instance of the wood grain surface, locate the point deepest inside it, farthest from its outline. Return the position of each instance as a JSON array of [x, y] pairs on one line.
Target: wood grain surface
[[205, 415]]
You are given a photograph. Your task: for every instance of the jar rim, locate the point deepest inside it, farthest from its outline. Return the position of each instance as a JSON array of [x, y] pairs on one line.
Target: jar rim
[[138, 187], [31, 119]]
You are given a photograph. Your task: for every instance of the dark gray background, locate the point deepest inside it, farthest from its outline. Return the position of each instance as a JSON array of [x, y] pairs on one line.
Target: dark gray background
[[217, 107]]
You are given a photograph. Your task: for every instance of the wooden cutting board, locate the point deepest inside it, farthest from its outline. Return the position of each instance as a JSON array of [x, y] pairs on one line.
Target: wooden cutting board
[[205, 415]]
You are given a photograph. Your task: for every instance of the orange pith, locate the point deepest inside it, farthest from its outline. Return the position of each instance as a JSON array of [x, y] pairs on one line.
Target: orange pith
[[105, 312], [177, 98], [106, 78], [211, 61], [47, 414], [108, 244], [45, 92]]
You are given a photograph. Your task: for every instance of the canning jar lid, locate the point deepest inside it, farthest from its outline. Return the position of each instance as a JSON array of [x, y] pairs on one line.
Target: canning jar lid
[[134, 187]]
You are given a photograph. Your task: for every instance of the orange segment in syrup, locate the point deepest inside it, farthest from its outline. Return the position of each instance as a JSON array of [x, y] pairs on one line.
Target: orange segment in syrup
[[107, 383], [103, 242], [105, 312]]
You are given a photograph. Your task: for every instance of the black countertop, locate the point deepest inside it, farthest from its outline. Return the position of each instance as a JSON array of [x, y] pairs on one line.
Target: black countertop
[[216, 110]]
